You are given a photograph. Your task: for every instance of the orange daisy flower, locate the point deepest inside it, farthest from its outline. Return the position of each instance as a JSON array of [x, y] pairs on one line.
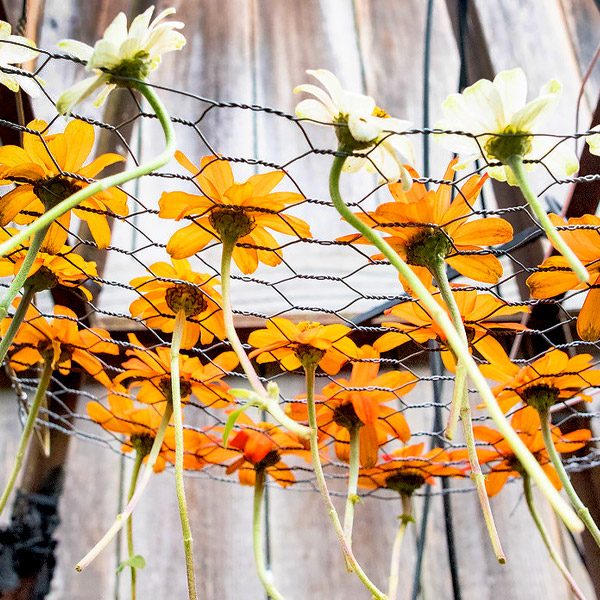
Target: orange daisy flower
[[550, 379], [240, 210], [407, 469], [527, 424], [62, 340], [555, 277], [359, 403], [173, 288], [295, 345], [476, 311], [423, 224], [258, 446], [150, 370], [40, 170]]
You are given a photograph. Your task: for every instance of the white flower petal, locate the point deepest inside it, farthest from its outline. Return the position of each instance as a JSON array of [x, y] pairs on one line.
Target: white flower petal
[[358, 104], [77, 49], [330, 82], [363, 130], [512, 88], [483, 103], [106, 90], [5, 29], [78, 92], [116, 32], [313, 109], [532, 115], [318, 93], [29, 85], [593, 141]]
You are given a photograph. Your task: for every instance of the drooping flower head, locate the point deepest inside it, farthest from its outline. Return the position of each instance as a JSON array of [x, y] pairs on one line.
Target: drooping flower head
[[176, 287], [361, 127], [425, 226], [500, 123], [241, 211], [40, 171], [121, 53], [14, 50], [306, 344]]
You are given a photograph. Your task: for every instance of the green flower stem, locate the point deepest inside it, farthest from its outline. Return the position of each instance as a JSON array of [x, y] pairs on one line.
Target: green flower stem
[[188, 542], [40, 394], [21, 276], [15, 324], [515, 162], [139, 458], [259, 559], [460, 398], [405, 519], [103, 184], [122, 518], [547, 541], [456, 344], [351, 561], [580, 508], [352, 498], [269, 404]]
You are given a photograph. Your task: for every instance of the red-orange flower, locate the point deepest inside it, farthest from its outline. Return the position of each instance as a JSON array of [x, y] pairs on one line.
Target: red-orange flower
[[173, 288], [294, 345], [476, 311], [40, 171], [242, 210], [554, 276]]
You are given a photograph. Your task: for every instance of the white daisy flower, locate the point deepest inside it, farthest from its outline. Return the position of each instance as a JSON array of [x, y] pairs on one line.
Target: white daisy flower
[[594, 141], [499, 107], [124, 53], [14, 50], [361, 127]]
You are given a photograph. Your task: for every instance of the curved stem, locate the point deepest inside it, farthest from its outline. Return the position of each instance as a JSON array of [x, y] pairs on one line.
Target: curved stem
[[461, 397], [405, 519], [580, 508], [554, 555], [515, 163], [139, 457], [103, 184], [188, 542], [322, 485], [40, 394], [124, 516], [16, 321], [438, 314], [21, 276], [269, 404], [259, 559], [352, 497]]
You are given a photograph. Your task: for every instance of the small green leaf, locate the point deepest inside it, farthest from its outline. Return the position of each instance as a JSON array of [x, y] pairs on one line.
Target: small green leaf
[[233, 417], [137, 562]]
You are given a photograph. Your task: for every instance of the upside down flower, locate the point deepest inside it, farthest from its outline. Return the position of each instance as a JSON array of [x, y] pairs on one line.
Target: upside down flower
[[121, 53], [150, 370], [62, 342], [476, 310], [499, 124], [14, 50], [361, 127], [426, 226], [527, 425], [555, 277], [40, 171], [305, 343], [243, 211], [550, 379], [177, 287]]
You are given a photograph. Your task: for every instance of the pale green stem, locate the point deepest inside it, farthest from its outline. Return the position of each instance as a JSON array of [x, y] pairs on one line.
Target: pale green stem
[[515, 163], [438, 314], [554, 555], [259, 559], [16, 321], [103, 184], [122, 518], [40, 394], [21, 276], [139, 458], [188, 542], [322, 485], [270, 405], [461, 396], [405, 519], [580, 508], [352, 497]]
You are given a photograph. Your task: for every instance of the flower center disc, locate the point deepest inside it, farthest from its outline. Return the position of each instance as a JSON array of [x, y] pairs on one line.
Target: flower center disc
[[541, 397], [53, 191], [405, 483], [183, 296], [42, 279], [270, 460], [431, 247], [345, 416], [165, 387], [231, 222], [142, 443], [510, 143]]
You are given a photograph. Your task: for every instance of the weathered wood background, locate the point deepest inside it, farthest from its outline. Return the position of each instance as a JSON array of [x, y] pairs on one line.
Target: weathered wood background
[[256, 52]]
